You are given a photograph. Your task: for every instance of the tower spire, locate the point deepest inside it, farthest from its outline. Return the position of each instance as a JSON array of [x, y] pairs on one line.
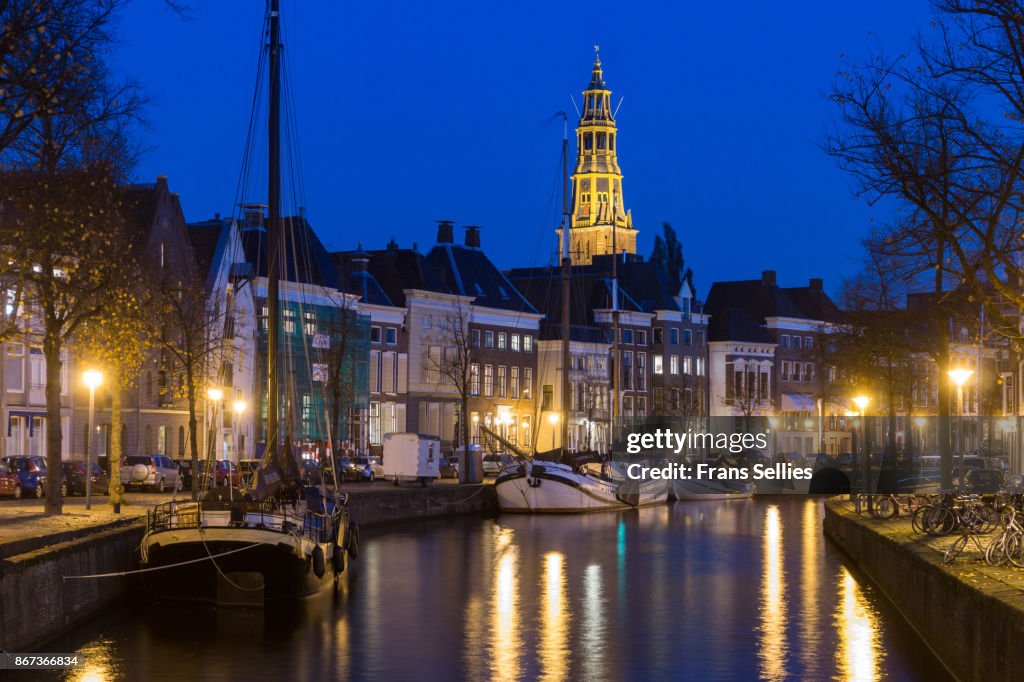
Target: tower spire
[[597, 181]]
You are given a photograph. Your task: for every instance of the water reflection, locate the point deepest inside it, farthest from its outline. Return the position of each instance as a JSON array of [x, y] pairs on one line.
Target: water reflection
[[505, 644], [554, 625], [858, 653], [772, 643], [593, 624], [658, 594], [810, 599]]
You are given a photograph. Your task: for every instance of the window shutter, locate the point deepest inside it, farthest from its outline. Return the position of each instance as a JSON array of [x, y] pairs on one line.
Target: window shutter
[[403, 373]]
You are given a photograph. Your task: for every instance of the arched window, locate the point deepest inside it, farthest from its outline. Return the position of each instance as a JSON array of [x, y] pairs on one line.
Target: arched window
[[588, 141], [611, 142], [181, 441], [600, 140]]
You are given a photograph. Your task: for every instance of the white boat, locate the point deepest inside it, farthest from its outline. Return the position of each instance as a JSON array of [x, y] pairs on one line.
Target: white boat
[[694, 489], [554, 488]]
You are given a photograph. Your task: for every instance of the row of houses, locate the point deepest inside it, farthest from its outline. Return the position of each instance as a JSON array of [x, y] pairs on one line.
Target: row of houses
[[381, 340]]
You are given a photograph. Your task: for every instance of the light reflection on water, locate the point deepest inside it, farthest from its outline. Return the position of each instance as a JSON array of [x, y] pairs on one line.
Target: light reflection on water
[[668, 593], [772, 644]]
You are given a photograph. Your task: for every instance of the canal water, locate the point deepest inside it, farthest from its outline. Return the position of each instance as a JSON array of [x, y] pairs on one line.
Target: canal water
[[739, 590]]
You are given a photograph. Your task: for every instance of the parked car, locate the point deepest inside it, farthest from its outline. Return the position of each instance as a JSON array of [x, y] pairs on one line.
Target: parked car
[[74, 479], [10, 484], [492, 464], [310, 472], [983, 481], [31, 471], [358, 469], [185, 472], [227, 470], [156, 472], [450, 467], [248, 468]]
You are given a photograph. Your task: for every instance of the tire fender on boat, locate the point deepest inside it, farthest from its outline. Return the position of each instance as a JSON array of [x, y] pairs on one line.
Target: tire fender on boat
[[319, 563], [338, 559]]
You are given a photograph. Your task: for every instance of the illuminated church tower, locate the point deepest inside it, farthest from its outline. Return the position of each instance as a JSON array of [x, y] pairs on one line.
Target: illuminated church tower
[[597, 203]]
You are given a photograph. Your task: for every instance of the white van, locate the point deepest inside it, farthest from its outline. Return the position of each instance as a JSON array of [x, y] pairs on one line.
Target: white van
[[411, 457]]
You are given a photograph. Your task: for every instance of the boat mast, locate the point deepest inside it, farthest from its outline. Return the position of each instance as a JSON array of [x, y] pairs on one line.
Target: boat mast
[[566, 272], [273, 229]]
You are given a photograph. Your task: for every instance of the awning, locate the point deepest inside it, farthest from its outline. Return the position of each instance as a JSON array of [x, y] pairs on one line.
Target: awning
[[799, 402], [28, 415]]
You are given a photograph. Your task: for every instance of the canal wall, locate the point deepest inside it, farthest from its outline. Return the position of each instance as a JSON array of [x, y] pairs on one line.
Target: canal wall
[[37, 604], [379, 505], [974, 628]]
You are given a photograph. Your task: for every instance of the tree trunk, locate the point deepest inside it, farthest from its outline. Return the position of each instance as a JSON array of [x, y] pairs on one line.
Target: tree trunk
[[51, 351], [116, 446]]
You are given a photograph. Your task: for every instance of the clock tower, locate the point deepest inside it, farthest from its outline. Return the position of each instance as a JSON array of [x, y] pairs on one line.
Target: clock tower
[[599, 217]]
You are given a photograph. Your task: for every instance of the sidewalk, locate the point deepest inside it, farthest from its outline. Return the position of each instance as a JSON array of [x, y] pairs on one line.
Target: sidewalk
[[24, 527], [970, 566]]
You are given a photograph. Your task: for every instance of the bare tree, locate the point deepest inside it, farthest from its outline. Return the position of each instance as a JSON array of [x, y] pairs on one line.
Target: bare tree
[[455, 364], [189, 330], [345, 336]]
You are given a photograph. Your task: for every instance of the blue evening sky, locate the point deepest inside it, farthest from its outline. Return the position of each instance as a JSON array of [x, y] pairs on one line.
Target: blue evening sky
[[413, 111]]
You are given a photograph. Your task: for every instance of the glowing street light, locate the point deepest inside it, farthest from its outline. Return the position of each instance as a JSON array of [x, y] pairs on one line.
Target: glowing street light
[[553, 419], [960, 377], [91, 378], [214, 394], [861, 402]]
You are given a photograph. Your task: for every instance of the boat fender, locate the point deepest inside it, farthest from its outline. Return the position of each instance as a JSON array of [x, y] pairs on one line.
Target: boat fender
[[338, 559], [319, 564], [533, 482]]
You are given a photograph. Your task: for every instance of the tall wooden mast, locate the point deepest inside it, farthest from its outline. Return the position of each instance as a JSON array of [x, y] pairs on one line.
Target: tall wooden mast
[[273, 229]]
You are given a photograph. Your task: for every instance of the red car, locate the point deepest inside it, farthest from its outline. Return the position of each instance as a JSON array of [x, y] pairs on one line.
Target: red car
[[10, 484], [223, 466]]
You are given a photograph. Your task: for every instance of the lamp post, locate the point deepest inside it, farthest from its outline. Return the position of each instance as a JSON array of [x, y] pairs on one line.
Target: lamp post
[[239, 408], [861, 402], [92, 378], [553, 420], [215, 395], [960, 377]]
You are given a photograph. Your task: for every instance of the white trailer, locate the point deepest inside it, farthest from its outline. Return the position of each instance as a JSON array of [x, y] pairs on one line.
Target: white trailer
[[412, 457]]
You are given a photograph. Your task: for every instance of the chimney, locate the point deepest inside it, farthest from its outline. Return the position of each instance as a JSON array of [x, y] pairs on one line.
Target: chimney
[[817, 284], [360, 259], [768, 277], [445, 232], [473, 236]]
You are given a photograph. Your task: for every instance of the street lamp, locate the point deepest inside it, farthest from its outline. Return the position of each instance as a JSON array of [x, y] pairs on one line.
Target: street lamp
[[921, 421], [861, 402], [553, 420], [91, 378], [239, 407], [215, 395], [960, 377]]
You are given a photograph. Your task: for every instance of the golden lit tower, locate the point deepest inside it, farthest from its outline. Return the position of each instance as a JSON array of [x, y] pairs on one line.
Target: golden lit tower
[[597, 183]]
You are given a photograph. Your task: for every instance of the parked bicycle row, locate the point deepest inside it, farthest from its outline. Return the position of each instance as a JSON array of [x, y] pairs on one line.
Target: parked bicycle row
[[969, 516]]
